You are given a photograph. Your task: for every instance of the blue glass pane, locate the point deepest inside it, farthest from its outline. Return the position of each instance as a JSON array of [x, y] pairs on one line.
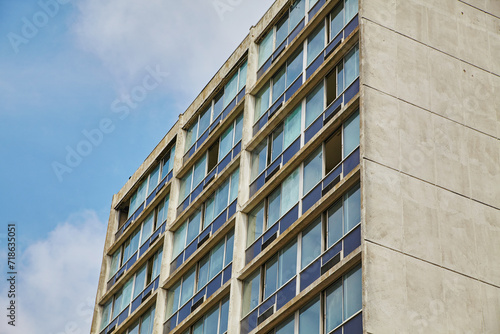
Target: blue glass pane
[[191, 249], [311, 198], [144, 248], [229, 108], [257, 247], [290, 218], [333, 44], [232, 209], [310, 274], [215, 124], [351, 26], [313, 130], [278, 51], [276, 105], [351, 162], [241, 95], [316, 8], [224, 163], [202, 139], [219, 221], [314, 104], [352, 241], [351, 91], [332, 176], [227, 274], [286, 293], [291, 151], [249, 323], [184, 312], [315, 65], [237, 149], [270, 232], [293, 88], [331, 253], [123, 316], [224, 314], [264, 68], [260, 124], [214, 285], [296, 31], [355, 325], [135, 304], [267, 304]]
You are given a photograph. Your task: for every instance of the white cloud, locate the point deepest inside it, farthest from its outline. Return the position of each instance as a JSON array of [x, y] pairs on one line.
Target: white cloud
[[188, 39], [58, 278]]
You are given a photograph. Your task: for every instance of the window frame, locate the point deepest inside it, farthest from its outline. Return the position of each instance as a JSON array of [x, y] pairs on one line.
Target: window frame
[[195, 270], [220, 96]]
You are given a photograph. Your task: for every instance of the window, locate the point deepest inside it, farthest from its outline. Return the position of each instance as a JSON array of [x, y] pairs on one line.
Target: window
[[138, 197], [203, 120], [214, 322], [144, 325], [314, 104], [151, 181], [279, 140], [315, 43], [187, 232], [200, 275], [235, 84], [277, 35], [276, 272], [341, 15], [311, 243], [251, 293], [344, 215], [167, 162], [341, 77], [332, 308], [206, 213], [280, 269], [155, 219], [212, 157], [309, 318], [273, 207], [213, 263], [343, 299], [262, 102], [221, 199], [280, 82], [315, 167], [131, 289]]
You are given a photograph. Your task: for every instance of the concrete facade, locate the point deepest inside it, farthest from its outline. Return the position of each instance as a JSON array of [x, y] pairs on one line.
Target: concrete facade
[[429, 174], [430, 117]]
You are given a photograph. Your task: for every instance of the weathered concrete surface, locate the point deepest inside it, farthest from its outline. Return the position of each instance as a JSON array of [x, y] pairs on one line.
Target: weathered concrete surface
[[430, 122]]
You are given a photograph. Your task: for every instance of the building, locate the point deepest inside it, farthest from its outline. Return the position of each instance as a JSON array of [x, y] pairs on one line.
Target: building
[[339, 174]]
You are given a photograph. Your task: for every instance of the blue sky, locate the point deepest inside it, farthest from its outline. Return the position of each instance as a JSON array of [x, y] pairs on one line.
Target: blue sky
[[61, 69]]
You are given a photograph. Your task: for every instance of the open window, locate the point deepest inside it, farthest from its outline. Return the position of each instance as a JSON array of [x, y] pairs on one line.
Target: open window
[[333, 151]]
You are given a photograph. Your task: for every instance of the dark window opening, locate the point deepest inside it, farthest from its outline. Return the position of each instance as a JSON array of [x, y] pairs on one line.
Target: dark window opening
[[333, 151]]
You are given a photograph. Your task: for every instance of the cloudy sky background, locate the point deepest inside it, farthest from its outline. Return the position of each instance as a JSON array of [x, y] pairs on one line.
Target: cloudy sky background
[[58, 80]]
